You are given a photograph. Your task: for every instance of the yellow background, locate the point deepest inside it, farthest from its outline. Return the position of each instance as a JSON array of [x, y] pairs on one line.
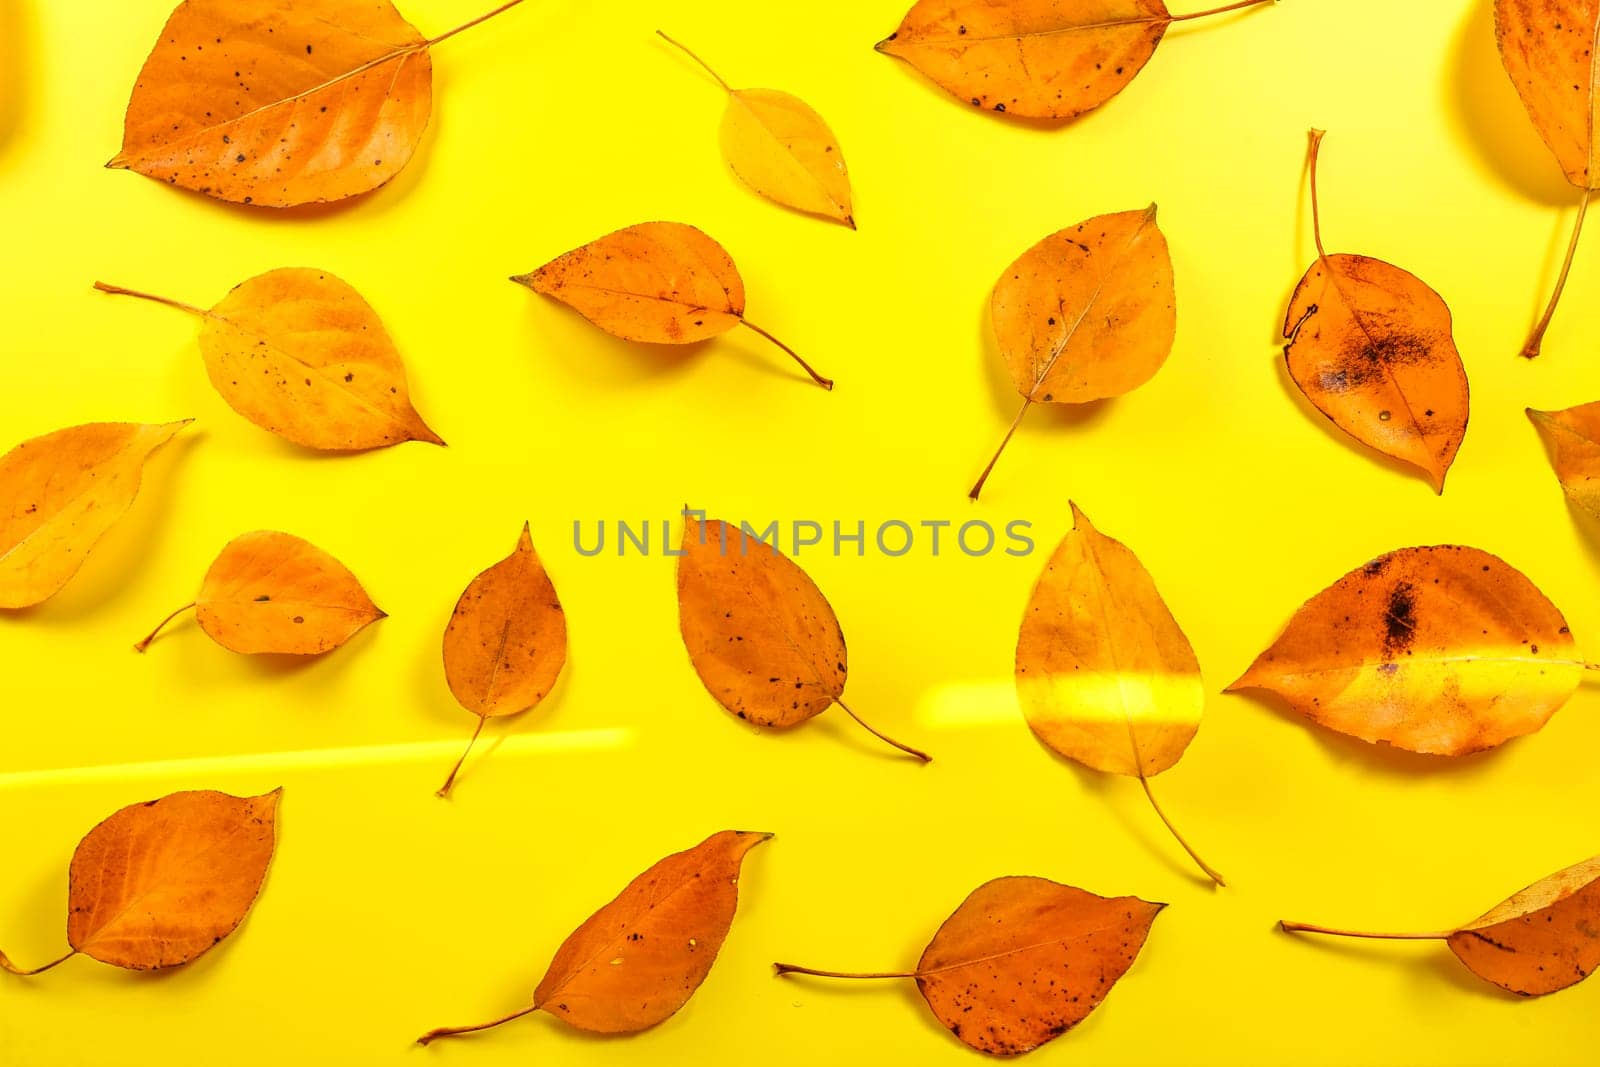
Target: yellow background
[[388, 911]]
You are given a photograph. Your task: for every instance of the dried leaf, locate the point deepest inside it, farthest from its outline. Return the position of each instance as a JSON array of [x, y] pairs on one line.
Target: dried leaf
[[637, 960], [159, 883], [279, 103], [1573, 437], [1104, 674], [300, 353], [506, 642], [1541, 940], [273, 592], [1371, 346], [782, 149], [761, 635], [1548, 49], [1023, 960], [1086, 314], [1443, 650], [663, 283], [59, 494], [1042, 59]]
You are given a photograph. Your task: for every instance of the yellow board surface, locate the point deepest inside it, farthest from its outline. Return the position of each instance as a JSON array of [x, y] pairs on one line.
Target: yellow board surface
[[388, 911]]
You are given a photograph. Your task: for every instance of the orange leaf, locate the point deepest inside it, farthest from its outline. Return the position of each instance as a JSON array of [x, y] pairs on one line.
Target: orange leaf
[[1086, 314], [506, 642], [279, 103], [159, 883], [1104, 674], [300, 353], [1371, 346], [1022, 961], [59, 494], [1444, 650], [663, 283], [1573, 437], [1547, 47], [637, 960], [780, 147], [1540, 940], [761, 635], [1043, 59], [273, 592]]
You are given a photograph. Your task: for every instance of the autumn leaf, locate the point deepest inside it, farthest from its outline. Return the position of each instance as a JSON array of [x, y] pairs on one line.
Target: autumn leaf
[[273, 592], [1540, 940], [1104, 674], [761, 635], [281, 104], [159, 883], [506, 642], [663, 283], [782, 149], [637, 960], [1022, 961], [1573, 437], [1548, 49], [1444, 650], [1041, 59], [298, 352], [1371, 346], [1086, 314], [59, 494]]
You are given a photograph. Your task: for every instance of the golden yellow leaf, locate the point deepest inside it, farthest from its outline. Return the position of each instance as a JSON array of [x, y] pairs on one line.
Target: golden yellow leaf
[[637, 960], [59, 494], [1573, 437], [1022, 961], [780, 147], [1443, 650], [273, 592], [1086, 314], [300, 353], [159, 883], [506, 642], [1104, 674], [281, 102], [664, 283]]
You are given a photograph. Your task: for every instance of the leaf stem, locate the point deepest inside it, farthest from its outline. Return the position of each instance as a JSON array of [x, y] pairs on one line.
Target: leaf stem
[[921, 755], [1239, 6], [826, 383], [117, 290], [1536, 339], [977, 487], [468, 25], [444, 790], [1211, 872], [8, 966], [1310, 928], [686, 51], [452, 1031], [151, 636], [790, 968], [1316, 204]]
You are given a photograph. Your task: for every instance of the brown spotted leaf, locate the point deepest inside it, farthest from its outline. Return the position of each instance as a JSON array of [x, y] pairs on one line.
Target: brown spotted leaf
[[1540, 940], [1372, 347], [159, 883], [1043, 59], [637, 960], [664, 283], [506, 641], [274, 592], [760, 634], [59, 494], [300, 353], [1443, 650], [279, 103], [1022, 961]]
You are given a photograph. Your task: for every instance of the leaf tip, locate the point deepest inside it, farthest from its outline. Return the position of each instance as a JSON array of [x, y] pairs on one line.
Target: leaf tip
[[886, 46], [850, 221], [117, 162]]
